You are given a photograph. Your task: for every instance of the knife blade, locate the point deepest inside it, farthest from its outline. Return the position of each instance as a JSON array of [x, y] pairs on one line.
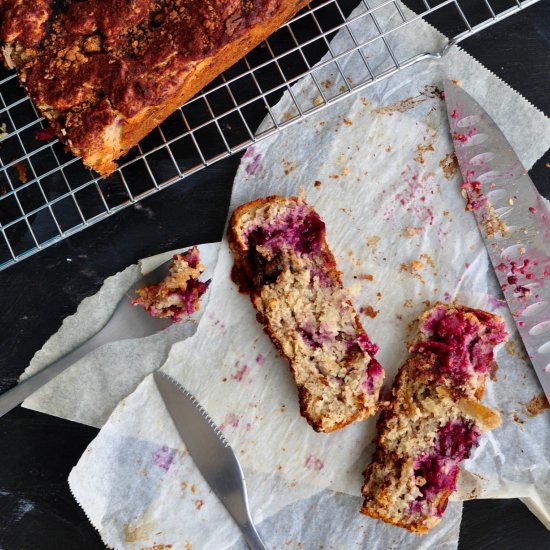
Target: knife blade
[[512, 218], [211, 454]]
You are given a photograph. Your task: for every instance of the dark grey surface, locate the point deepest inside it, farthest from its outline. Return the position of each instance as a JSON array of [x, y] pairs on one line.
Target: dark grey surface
[[37, 453]]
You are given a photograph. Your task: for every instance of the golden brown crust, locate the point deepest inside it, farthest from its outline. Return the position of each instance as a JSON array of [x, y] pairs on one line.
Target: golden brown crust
[[109, 125], [136, 128]]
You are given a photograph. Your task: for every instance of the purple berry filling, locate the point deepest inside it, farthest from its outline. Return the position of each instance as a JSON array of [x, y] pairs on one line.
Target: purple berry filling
[[439, 468], [301, 230], [460, 343]]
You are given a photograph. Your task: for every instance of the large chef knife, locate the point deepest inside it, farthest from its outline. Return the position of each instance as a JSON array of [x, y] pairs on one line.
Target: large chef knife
[[512, 218], [211, 453]]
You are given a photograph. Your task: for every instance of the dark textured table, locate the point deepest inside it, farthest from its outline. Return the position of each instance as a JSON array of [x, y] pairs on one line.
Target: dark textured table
[[37, 453]]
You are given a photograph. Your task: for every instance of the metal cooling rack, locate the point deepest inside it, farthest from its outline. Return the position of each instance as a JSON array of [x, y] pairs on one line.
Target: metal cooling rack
[[47, 195]]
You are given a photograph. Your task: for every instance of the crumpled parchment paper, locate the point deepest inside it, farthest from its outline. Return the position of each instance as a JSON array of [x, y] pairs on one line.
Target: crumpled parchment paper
[[378, 168], [88, 391]]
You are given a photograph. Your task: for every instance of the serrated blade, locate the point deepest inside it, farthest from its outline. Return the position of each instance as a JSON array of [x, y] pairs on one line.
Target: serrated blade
[[210, 452], [512, 218]]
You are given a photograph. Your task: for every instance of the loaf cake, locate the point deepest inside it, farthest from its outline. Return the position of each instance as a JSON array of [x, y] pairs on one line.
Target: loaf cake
[[283, 261], [104, 73], [434, 417], [178, 295]]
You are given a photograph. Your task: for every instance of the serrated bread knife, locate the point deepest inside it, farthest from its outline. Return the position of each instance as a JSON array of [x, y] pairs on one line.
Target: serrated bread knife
[[211, 454], [512, 218]]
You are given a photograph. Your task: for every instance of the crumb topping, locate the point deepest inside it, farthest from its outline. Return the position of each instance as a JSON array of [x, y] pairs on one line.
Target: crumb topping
[[87, 63]]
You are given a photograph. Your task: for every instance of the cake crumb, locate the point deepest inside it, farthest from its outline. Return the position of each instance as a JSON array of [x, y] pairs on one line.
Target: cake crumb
[[510, 347], [428, 259], [420, 150], [288, 167], [317, 184], [373, 242], [493, 371], [369, 311], [409, 232], [449, 165], [21, 171], [199, 504], [413, 266], [537, 405]]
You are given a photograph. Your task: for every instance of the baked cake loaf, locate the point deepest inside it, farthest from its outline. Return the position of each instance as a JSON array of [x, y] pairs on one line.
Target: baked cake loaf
[[283, 261], [433, 418], [177, 296], [106, 72]]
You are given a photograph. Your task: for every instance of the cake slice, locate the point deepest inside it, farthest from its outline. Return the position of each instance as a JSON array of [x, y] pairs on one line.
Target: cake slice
[[104, 73], [283, 261], [433, 419], [177, 296]]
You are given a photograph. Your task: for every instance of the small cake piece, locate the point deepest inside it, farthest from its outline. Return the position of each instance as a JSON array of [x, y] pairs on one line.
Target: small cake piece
[[178, 295], [283, 261], [433, 418]]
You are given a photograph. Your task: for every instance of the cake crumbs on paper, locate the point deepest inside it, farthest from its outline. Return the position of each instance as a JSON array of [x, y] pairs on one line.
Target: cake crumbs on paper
[[317, 184], [429, 260], [373, 242], [510, 347], [420, 150], [288, 167], [408, 303], [364, 277], [369, 311], [318, 100], [413, 268], [428, 92], [537, 405], [409, 232], [199, 503], [493, 371], [449, 165]]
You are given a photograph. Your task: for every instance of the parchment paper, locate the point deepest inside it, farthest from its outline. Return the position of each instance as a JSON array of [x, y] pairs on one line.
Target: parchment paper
[[377, 167], [89, 390]]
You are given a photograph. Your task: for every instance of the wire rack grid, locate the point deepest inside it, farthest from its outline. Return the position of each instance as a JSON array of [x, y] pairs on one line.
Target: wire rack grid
[[47, 195]]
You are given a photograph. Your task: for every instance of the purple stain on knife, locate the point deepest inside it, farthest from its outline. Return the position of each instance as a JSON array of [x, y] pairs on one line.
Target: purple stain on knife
[[164, 458]]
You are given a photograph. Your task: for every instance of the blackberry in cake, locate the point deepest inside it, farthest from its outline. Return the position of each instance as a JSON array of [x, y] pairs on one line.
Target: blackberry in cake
[[434, 417], [283, 262], [178, 295]]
